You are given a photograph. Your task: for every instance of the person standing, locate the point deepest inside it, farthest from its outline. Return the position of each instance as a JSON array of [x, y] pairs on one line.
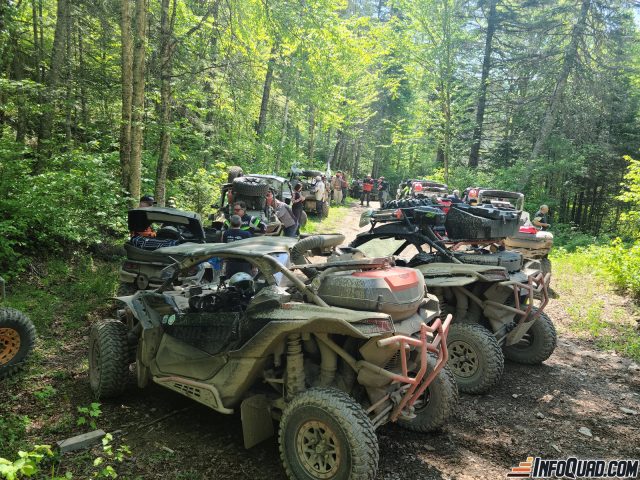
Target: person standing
[[336, 186], [367, 188], [284, 214], [319, 192], [383, 191], [345, 188], [541, 218], [297, 204]]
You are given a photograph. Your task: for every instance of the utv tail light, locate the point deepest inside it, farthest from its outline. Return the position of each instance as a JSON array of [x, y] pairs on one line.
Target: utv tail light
[[130, 267], [376, 325], [398, 214]]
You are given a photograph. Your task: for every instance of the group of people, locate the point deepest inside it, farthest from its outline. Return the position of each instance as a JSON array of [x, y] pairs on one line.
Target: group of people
[[366, 187], [333, 190]]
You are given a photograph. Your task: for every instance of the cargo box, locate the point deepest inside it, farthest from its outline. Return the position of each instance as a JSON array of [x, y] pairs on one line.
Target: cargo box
[[396, 291]]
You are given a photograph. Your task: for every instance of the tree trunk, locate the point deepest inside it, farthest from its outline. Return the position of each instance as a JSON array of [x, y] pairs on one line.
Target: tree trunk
[[67, 74], [266, 92], [283, 136], [166, 70], [36, 43], [312, 130], [137, 104], [57, 64], [127, 89], [356, 159], [570, 56], [83, 87], [18, 74], [492, 22]]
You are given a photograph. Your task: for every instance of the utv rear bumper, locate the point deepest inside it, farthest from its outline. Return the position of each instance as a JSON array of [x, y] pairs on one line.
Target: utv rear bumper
[[432, 339]]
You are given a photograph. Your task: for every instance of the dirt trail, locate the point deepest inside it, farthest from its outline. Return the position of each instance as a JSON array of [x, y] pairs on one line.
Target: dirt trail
[[533, 411]]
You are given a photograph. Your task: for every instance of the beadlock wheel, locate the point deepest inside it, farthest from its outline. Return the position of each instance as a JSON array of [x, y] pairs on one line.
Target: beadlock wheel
[[17, 339], [9, 344]]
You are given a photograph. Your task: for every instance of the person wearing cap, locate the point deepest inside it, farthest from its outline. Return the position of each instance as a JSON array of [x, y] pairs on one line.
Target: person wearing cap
[[146, 201], [319, 192], [541, 218], [284, 214], [147, 231], [367, 188]]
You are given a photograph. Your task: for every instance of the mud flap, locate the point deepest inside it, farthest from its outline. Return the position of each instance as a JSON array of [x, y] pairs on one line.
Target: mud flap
[[257, 423], [517, 333]]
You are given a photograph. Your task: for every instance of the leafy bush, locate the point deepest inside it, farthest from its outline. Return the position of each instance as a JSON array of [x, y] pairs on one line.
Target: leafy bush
[[622, 263], [76, 201], [617, 261], [570, 238]]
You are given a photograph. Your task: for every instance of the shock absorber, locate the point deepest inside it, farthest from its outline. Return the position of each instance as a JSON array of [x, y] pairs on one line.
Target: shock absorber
[[295, 365]]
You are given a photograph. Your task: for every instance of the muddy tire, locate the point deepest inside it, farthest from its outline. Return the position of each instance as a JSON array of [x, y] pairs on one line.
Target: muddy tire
[[17, 338], [325, 209], [233, 173], [108, 358], [545, 265], [475, 357], [250, 187], [303, 219], [537, 345], [324, 433], [437, 404]]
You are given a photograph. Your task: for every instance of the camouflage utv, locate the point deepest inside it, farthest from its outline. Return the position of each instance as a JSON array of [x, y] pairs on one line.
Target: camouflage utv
[[17, 337], [497, 305], [299, 342]]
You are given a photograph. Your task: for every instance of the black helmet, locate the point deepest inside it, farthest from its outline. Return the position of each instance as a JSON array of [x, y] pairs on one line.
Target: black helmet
[[168, 233]]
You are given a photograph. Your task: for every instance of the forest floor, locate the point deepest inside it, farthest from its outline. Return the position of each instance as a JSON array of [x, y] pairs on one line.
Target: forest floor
[[534, 411]]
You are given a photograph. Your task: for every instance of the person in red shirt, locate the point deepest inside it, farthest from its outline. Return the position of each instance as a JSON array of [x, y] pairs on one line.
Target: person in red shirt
[[146, 201], [367, 187]]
